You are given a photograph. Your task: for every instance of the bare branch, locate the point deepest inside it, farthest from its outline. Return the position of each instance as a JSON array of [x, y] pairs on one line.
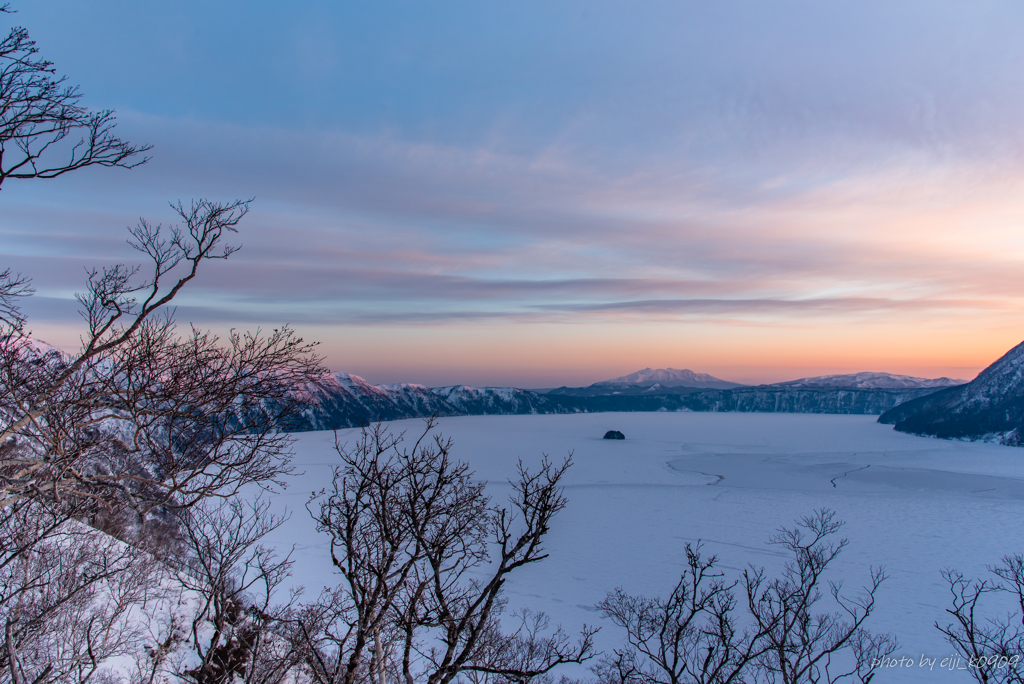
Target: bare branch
[[991, 646], [698, 635], [44, 130], [410, 534]]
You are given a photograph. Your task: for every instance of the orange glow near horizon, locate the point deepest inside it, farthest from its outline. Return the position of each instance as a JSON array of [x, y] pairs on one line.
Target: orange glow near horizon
[[901, 268], [578, 355], [761, 194], [927, 281]]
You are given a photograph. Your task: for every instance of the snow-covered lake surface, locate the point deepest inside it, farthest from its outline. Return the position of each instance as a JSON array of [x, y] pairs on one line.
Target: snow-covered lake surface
[[914, 505]]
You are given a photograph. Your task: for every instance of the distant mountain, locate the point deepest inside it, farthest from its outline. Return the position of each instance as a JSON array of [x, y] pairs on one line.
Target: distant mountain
[[602, 390], [345, 400], [869, 380], [670, 377], [783, 399], [497, 400], [340, 400], [989, 408]]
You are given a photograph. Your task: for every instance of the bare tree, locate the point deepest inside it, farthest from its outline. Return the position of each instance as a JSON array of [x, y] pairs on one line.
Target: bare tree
[[13, 286], [698, 635], [141, 425], [142, 415], [802, 645], [131, 433], [992, 648], [411, 535], [234, 578], [694, 635], [70, 596], [44, 130]]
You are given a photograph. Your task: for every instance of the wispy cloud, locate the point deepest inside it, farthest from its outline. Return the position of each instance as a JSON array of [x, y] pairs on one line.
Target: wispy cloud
[[426, 223], [685, 164]]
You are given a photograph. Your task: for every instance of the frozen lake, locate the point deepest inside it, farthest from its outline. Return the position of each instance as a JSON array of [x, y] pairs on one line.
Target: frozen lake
[[914, 505]]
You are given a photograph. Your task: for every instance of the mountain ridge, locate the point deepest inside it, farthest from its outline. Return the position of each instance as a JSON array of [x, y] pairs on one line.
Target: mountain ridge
[[989, 408], [670, 377], [871, 380], [340, 400]]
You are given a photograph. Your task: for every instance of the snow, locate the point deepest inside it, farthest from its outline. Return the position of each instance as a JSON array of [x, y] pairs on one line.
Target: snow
[[405, 387], [353, 383], [915, 505], [870, 380], [461, 392], [670, 377]]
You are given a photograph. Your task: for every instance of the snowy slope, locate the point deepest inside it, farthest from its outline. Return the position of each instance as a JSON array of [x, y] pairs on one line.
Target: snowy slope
[[345, 400], [41, 351], [782, 399], [870, 380], [497, 400], [990, 407], [670, 377], [342, 400]]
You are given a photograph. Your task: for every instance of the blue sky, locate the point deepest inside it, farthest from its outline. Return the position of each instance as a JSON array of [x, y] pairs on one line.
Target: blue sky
[[550, 193]]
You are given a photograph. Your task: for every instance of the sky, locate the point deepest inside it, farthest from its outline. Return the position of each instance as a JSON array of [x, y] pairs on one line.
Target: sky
[[556, 193]]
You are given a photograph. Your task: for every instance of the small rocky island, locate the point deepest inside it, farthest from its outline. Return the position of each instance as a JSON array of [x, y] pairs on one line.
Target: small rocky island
[[614, 434]]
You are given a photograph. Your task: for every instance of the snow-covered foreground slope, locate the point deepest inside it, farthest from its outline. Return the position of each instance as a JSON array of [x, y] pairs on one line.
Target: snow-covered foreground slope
[[915, 505]]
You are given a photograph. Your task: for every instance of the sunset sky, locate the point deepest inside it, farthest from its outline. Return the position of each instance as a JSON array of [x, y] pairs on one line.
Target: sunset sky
[[556, 193]]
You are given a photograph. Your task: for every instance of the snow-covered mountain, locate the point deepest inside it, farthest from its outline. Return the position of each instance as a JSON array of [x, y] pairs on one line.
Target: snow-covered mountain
[[782, 399], [670, 377], [340, 400], [346, 400], [497, 400], [990, 407], [870, 380]]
